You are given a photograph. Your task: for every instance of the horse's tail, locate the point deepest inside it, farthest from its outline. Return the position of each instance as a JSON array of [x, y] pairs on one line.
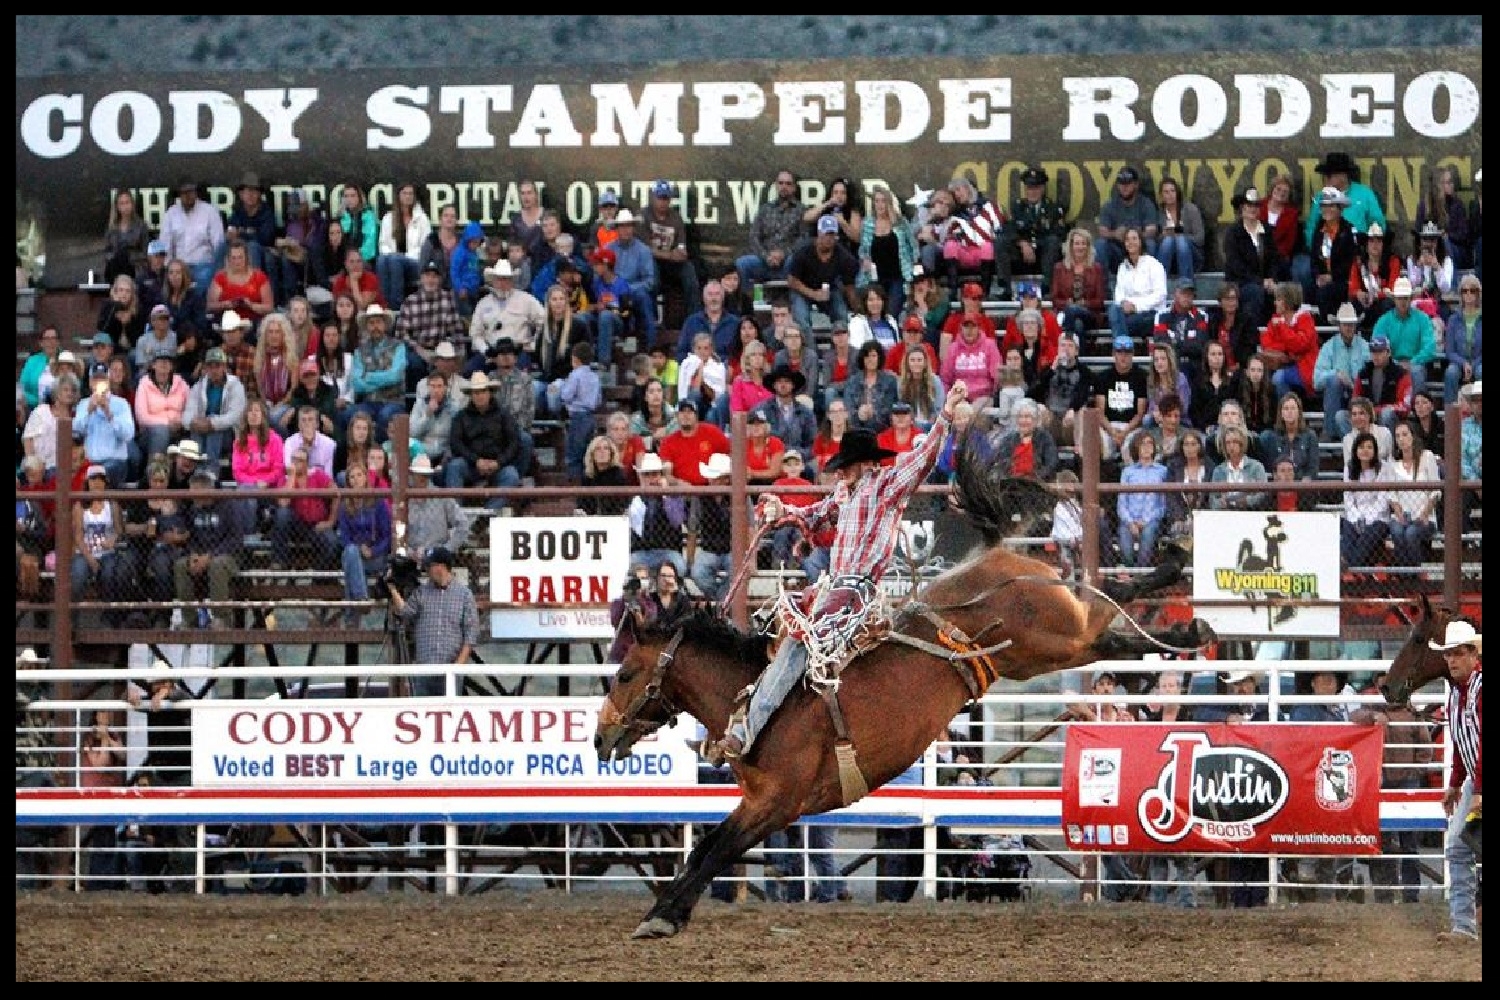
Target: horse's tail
[[998, 507]]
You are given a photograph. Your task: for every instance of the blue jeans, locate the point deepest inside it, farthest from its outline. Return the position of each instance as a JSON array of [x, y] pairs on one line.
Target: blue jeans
[[1359, 542], [155, 439], [1335, 400], [1137, 325], [836, 308], [203, 274], [1142, 553], [772, 688], [653, 558], [754, 270], [357, 571], [705, 572], [580, 431], [1168, 873], [457, 475], [396, 271], [607, 326], [1078, 321], [1302, 273], [288, 528], [1179, 256], [1462, 881], [1453, 379], [1288, 378], [1411, 538]]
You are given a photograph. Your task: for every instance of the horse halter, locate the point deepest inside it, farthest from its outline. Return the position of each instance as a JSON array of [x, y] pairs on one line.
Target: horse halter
[[651, 695]]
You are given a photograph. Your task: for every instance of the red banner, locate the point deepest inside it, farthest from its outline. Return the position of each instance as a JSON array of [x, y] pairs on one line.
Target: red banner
[[1258, 789]]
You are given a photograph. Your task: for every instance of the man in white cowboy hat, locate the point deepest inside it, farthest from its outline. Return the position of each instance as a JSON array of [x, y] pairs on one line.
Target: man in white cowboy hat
[[1409, 331], [216, 405], [709, 523], [448, 359], [1341, 173], [1463, 800], [866, 505], [432, 521], [185, 457], [656, 520], [1236, 681], [507, 311], [1340, 361], [483, 444], [635, 265], [377, 372]]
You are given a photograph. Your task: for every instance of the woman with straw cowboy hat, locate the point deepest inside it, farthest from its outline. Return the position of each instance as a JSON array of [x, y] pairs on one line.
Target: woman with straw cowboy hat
[[1463, 800]]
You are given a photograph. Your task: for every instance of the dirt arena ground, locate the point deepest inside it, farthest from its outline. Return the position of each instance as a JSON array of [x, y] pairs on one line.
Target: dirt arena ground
[[556, 937]]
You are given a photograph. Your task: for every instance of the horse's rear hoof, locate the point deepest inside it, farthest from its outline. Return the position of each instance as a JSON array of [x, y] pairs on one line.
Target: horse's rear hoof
[[1204, 633], [656, 927]]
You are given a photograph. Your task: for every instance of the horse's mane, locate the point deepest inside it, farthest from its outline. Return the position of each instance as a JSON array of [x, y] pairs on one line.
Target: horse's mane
[[992, 502], [707, 626]]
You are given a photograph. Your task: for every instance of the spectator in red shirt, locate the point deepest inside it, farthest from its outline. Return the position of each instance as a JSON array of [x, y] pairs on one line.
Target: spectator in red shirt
[[357, 280], [971, 307], [762, 449], [901, 436], [913, 337], [687, 448]]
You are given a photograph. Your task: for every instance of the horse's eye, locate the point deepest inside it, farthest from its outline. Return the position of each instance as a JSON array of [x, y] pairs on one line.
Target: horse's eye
[[623, 675]]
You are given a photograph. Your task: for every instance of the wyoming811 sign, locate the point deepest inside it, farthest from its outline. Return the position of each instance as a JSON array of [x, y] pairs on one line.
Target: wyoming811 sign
[[1263, 562], [557, 575]]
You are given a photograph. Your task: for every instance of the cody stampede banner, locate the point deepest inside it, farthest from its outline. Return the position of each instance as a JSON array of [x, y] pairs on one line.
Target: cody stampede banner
[[1262, 561], [511, 742], [1217, 122], [1279, 789]]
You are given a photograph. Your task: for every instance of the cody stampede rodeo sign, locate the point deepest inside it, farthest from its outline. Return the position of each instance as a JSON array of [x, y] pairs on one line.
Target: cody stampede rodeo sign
[[1218, 123]]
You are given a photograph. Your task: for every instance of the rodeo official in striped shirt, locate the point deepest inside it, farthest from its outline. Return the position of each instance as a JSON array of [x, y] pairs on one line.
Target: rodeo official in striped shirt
[[866, 505], [1464, 798]]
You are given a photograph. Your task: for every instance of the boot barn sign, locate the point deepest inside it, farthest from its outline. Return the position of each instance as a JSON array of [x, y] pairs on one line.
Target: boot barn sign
[[1218, 123]]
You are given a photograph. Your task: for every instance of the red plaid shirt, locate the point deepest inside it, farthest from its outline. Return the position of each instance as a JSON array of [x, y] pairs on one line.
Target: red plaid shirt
[[868, 518]]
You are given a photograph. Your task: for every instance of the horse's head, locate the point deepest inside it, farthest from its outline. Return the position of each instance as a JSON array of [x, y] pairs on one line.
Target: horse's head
[[695, 665], [637, 704], [1416, 664]]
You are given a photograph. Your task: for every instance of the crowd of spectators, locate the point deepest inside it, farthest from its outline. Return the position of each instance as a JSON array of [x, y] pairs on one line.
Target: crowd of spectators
[[236, 344]]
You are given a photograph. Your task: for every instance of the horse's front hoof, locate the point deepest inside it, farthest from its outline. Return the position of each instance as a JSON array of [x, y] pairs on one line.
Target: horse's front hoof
[[656, 927]]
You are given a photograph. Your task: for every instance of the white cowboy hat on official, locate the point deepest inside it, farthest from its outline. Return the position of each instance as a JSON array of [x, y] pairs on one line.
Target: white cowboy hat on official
[[1459, 633], [500, 269], [421, 466]]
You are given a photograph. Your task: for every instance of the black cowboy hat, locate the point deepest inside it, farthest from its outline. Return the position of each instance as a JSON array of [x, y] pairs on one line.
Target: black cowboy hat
[[1339, 163], [799, 381], [857, 445]]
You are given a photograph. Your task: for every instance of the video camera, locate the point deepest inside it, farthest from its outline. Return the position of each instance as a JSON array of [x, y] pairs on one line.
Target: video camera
[[403, 576]]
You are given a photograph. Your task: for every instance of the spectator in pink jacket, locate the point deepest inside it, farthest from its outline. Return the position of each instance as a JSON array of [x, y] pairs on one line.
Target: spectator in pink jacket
[[160, 398], [258, 460], [974, 360]]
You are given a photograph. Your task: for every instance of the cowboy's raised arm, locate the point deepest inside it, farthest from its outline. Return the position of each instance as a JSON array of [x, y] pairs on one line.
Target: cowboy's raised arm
[[913, 467]]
